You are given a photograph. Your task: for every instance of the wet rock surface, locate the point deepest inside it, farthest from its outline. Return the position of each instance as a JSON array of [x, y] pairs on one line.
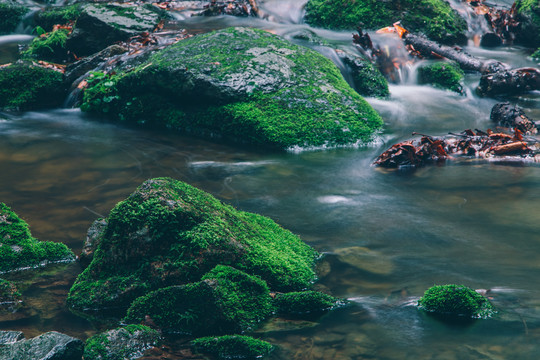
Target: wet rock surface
[[128, 342], [49, 346]]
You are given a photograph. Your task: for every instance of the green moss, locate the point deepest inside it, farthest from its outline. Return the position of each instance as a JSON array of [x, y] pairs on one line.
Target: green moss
[[50, 47], [8, 292], [320, 109], [51, 16], [305, 302], [435, 18], [28, 87], [444, 75], [11, 15], [232, 347], [122, 343], [455, 300], [226, 301], [536, 54], [528, 15], [168, 232], [367, 79], [18, 249]]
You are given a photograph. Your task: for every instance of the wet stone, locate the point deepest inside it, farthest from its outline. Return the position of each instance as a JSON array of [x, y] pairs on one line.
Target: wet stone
[[366, 260], [9, 337], [51, 345]]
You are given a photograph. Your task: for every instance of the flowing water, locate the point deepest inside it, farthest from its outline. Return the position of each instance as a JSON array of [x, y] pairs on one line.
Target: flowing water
[[387, 236]]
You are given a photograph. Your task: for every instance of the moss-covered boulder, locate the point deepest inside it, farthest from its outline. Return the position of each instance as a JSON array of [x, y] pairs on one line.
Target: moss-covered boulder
[[11, 14], [367, 79], [305, 302], [18, 249], [443, 75], [528, 17], [101, 25], [435, 18], [226, 301], [240, 84], [170, 233], [129, 342], [232, 347], [24, 86], [455, 301], [47, 17], [50, 47]]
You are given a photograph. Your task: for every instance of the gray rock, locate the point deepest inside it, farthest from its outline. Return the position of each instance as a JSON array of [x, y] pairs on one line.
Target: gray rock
[[48, 346], [101, 25], [9, 337], [93, 236]]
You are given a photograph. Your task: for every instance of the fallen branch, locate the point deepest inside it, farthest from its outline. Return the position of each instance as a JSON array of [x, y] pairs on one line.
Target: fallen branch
[[509, 82]]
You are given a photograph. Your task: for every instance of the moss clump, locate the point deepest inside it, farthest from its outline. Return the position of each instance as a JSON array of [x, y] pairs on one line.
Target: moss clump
[[28, 87], [367, 79], [170, 233], [51, 16], [444, 75], [232, 347], [226, 301], [18, 249], [536, 54], [454, 301], [11, 15], [9, 294], [435, 18], [252, 87], [528, 15], [122, 343], [50, 47], [304, 302]]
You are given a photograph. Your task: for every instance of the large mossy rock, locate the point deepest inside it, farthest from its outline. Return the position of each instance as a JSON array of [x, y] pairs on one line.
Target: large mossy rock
[[226, 301], [24, 86], [240, 84], [528, 16], [451, 301], [19, 250], [11, 14], [101, 25], [170, 233], [435, 18], [129, 342], [49, 346]]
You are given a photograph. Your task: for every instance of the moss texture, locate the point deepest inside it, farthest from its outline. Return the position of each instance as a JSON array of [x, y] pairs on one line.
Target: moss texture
[[536, 54], [170, 233], [24, 86], [18, 249], [51, 16], [226, 301], [305, 302], [252, 87], [528, 14], [122, 343], [11, 15], [50, 47], [232, 347], [9, 293], [435, 18], [444, 75], [455, 300], [367, 79]]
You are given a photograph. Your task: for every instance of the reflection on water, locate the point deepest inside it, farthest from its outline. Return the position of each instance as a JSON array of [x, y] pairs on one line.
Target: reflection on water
[[387, 236]]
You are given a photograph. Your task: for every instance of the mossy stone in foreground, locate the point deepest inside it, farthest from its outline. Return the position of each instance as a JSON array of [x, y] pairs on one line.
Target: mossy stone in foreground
[[304, 302], [24, 86], [455, 301], [442, 74], [226, 301], [18, 249], [435, 18], [122, 343], [170, 233], [233, 347], [243, 85]]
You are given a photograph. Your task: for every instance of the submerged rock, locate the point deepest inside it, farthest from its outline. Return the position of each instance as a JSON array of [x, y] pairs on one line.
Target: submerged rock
[[240, 84], [305, 302], [366, 260], [226, 301], [233, 347], [170, 233], [11, 14], [455, 301], [18, 249], [442, 74], [101, 25], [125, 343], [24, 86], [50, 346], [435, 18], [10, 297]]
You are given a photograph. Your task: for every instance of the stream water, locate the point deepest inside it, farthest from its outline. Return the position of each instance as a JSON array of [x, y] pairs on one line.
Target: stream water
[[387, 235]]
